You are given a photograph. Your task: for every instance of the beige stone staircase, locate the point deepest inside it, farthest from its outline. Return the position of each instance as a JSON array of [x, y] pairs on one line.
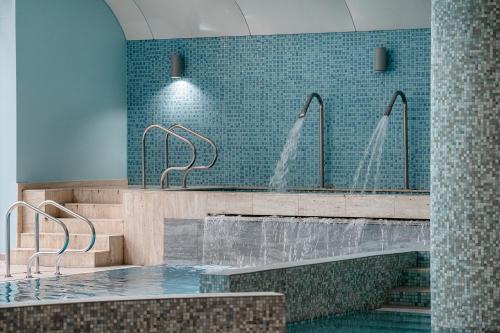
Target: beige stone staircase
[[101, 206]]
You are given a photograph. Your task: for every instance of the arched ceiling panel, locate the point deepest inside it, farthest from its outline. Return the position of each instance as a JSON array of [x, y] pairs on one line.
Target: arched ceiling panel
[[133, 23], [267, 17], [165, 19], [390, 14], [193, 18]]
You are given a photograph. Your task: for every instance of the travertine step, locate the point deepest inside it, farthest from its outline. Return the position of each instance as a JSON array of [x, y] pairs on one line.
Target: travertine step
[[97, 258], [76, 226], [76, 241], [101, 195], [95, 211], [100, 205]]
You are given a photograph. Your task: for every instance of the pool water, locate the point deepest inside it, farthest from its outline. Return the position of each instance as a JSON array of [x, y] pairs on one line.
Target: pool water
[[140, 281], [371, 322]]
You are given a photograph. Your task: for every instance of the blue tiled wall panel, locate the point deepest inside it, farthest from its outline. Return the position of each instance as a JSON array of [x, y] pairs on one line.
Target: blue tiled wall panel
[[245, 93]]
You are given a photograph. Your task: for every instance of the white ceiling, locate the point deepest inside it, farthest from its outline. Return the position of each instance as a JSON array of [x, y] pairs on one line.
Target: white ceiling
[[164, 19]]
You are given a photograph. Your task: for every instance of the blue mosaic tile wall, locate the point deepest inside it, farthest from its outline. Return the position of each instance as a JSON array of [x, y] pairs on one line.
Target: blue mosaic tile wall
[[245, 93]]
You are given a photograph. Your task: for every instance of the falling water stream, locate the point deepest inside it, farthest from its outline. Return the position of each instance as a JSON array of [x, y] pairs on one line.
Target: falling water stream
[[278, 181], [255, 241], [372, 155]]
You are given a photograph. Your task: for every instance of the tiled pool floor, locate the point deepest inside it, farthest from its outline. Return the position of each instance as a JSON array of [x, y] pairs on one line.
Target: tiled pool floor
[[372, 322]]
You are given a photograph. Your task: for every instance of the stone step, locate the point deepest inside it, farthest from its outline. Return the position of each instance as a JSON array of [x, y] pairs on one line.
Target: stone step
[[376, 321], [97, 195], [76, 241], [76, 226], [99, 258], [404, 309], [410, 296], [94, 211], [417, 277], [424, 259], [35, 197]]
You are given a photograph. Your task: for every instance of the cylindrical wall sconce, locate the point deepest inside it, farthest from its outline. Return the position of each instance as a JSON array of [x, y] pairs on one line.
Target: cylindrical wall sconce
[[380, 62], [176, 66]]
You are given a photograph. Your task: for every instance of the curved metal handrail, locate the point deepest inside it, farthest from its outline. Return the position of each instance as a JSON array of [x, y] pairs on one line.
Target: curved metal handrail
[[36, 254], [175, 135], [200, 167], [69, 212]]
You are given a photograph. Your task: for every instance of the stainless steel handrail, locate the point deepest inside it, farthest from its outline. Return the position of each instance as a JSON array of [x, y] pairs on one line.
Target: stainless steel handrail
[[69, 212], [36, 254], [175, 135], [199, 167]]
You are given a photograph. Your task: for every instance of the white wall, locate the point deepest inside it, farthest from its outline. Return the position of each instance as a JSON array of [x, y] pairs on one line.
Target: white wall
[[7, 112]]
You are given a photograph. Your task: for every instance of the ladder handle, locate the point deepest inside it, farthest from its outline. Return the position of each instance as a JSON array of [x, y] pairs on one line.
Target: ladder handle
[[175, 135], [198, 135], [36, 254], [75, 215]]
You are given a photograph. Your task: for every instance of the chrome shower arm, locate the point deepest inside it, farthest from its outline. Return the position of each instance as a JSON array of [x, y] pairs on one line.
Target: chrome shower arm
[[387, 113], [302, 114], [397, 94], [304, 110]]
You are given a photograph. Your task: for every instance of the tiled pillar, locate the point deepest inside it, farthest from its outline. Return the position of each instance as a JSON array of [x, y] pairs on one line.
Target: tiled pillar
[[465, 166]]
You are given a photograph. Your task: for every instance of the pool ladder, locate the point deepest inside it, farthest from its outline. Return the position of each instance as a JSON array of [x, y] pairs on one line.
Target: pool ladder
[[34, 259], [188, 168]]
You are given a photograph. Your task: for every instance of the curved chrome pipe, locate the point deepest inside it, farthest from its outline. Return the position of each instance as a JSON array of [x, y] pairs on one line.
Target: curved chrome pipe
[[303, 111], [69, 212], [405, 132], [397, 94], [37, 253], [200, 167], [175, 135], [302, 114]]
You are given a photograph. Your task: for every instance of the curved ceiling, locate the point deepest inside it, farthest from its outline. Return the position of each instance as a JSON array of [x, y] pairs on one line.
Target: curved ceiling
[[165, 19]]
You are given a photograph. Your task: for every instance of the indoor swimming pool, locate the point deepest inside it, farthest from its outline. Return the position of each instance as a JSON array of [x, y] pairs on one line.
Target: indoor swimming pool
[[139, 281]]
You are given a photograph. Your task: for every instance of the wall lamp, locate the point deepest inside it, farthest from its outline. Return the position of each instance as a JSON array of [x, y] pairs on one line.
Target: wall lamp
[[176, 66], [380, 61]]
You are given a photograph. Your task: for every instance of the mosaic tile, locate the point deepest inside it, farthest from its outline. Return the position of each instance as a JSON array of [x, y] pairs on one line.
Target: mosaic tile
[[245, 92], [465, 166], [417, 277], [316, 290], [410, 298], [199, 314], [424, 259]]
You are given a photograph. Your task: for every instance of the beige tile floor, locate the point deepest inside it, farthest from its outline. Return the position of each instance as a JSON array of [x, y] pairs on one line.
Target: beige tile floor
[[19, 271]]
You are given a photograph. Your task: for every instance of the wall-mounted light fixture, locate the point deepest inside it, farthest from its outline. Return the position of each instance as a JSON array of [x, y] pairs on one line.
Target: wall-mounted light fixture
[[176, 66], [380, 61]]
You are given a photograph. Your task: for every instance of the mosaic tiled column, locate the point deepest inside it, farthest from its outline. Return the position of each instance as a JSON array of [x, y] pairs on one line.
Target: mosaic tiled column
[[465, 166]]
